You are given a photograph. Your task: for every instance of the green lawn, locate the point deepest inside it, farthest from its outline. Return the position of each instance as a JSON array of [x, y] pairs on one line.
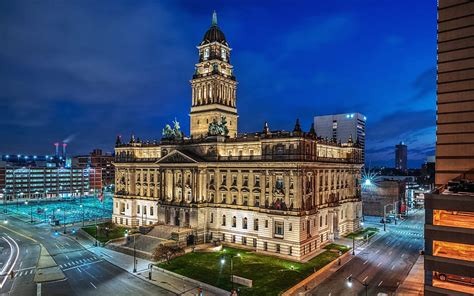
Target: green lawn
[[363, 233], [102, 236], [270, 275]]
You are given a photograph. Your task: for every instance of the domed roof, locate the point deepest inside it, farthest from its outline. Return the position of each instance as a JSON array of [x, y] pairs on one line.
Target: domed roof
[[214, 34]]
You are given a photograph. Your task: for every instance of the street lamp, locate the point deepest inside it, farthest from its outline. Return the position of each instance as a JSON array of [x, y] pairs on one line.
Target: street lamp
[[231, 256], [364, 283], [31, 211], [82, 206], [134, 252]]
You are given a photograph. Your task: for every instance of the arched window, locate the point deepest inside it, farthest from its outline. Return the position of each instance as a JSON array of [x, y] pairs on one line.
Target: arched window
[[234, 221], [244, 223], [223, 220]]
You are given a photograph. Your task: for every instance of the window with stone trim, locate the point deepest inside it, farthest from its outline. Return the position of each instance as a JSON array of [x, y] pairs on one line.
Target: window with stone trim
[[223, 220], [279, 228], [244, 223], [234, 221]]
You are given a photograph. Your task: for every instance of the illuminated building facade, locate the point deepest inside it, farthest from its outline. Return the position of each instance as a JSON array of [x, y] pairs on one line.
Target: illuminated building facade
[[276, 192], [449, 227], [38, 180]]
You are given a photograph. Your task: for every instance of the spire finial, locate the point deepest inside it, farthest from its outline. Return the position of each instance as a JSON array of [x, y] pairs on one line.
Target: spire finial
[[214, 19]]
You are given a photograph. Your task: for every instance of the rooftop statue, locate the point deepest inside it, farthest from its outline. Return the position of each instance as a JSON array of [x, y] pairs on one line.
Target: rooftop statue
[[174, 133], [218, 128]]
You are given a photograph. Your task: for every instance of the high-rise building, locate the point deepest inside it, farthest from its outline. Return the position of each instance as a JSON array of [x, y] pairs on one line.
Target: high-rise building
[[280, 193], [401, 155], [342, 128], [449, 224]]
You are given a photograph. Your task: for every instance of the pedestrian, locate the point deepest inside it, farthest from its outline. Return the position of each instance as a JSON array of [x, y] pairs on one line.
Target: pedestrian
[[12, 274]]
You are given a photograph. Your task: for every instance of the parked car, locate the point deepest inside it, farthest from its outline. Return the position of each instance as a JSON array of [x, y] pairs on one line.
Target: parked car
[[455, 278]]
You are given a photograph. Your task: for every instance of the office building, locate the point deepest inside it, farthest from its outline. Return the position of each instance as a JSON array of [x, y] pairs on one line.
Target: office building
[[401, 155], [342, 128], [98, 160], [279, 193], [449, 227]]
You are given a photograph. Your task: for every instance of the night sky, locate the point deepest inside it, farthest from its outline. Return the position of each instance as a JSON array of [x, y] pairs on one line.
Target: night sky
[[85, 71]]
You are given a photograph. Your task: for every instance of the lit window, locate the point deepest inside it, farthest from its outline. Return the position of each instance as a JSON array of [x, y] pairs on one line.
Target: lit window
[[279, 228], [206, 53], [223, 54]]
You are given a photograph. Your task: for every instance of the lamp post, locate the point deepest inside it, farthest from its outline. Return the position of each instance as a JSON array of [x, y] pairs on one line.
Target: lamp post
[[134, 252], [384, 216], [231, 256], [82, 206], [353, 245], [31, 211], [364, 283]]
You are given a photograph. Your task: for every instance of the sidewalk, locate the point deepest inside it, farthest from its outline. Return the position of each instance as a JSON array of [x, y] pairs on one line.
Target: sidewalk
[[165, 279], [414, 282]]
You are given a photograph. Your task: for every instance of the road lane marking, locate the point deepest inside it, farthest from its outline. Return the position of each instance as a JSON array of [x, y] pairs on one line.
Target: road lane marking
[[365, 279], [365, 262], [377, 251], [93, 285], [9, 259], [379, 264], [66, 256], [390, 253], [393, 266], [85, 264], [379, 283], [38, 289]]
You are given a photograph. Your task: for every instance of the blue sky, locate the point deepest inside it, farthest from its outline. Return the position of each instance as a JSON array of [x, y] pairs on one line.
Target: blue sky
[[89, 70]]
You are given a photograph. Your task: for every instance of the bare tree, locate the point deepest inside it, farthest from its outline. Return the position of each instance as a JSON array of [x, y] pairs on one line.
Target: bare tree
[[166, 253]]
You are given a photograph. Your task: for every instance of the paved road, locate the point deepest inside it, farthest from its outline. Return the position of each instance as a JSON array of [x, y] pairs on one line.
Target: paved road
[[86, 273], [383, 265]]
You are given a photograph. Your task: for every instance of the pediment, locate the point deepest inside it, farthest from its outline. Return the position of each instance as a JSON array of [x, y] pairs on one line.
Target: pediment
[[176, 157]]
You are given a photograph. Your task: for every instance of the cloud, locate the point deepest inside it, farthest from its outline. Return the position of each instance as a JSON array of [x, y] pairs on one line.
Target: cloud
[[424, 84]]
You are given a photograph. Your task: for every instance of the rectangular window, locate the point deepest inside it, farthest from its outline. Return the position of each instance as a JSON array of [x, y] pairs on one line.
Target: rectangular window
[[223, 220], [245, 181], [254, 242], [453, 219], [245, 201], [138, 209], [290, 227], [234, 180], [224, 180], [266, 223], [151, 211], [144, 210], [212, 217], [279, 228], [257, 181], [278, 248], [257, 200], [233, 238], [244, 240], [453, 250], [290, 250], [255, 224]]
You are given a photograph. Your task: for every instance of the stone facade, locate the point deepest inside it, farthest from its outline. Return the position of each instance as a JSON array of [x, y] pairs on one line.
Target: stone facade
[[281, 193]]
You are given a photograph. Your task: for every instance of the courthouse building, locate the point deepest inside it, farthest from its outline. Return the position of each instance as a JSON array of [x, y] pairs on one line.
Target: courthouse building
[[277, 192]]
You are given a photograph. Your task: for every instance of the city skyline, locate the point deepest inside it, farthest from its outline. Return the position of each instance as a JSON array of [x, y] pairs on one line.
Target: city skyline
[[127, 69]]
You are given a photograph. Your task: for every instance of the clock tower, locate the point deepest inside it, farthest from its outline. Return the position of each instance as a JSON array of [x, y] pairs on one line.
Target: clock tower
[[213, 84]]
